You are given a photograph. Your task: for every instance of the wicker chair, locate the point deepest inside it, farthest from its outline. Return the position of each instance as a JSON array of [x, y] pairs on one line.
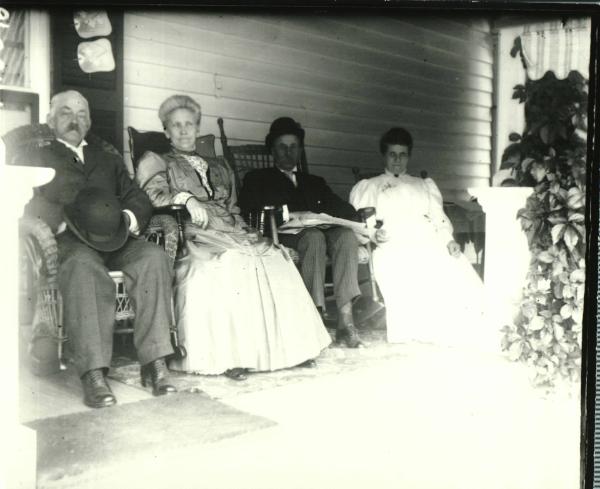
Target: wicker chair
[[39, 255]]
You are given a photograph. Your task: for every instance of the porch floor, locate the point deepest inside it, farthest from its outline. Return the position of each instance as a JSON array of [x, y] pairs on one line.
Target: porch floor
[[405, 415]]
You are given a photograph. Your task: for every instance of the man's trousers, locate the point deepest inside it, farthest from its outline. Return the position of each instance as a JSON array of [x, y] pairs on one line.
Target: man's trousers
[[88, 295], [313, 246]]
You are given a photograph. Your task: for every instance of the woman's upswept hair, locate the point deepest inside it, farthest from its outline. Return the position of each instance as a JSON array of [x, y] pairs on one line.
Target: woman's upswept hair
[[175, 102], [396, 135]]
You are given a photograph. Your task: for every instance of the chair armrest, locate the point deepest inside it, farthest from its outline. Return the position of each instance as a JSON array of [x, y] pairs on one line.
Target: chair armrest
[[367, 213], [170, 209], [169, 226], [266, 221], [40, 246]]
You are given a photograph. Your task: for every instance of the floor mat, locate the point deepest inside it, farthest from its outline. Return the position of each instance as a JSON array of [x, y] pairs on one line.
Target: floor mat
[[71, 444]]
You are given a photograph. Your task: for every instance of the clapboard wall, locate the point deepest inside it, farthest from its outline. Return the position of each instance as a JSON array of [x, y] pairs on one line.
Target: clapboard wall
[[345, 78]]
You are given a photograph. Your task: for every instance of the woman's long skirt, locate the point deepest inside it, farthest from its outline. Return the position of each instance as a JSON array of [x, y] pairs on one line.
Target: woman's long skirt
[[244, 307]]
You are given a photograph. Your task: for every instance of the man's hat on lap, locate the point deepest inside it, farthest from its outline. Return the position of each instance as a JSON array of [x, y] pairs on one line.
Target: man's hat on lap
[[96, 218]]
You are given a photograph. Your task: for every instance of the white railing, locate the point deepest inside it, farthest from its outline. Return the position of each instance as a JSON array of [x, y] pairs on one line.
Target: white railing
[[506, 251]]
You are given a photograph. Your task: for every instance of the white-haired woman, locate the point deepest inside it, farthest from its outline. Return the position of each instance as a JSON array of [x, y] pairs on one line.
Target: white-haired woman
[[240, 303]]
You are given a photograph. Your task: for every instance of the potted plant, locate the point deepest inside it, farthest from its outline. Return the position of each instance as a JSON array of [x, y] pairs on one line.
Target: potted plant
[[550, 155]]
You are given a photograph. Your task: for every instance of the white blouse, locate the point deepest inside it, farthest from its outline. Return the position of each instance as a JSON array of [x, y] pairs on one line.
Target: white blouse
[[402, 201]]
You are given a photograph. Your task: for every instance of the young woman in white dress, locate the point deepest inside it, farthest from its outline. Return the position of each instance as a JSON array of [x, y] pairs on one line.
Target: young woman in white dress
[[431, 291]]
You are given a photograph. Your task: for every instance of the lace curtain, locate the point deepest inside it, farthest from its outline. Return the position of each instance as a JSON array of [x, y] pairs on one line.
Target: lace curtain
[[558, 46]]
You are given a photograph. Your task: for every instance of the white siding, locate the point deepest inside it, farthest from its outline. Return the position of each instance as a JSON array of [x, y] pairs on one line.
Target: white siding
[[345, 79]]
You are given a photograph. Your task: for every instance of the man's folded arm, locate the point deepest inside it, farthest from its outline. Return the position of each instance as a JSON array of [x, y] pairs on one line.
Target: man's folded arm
[[336, 206]]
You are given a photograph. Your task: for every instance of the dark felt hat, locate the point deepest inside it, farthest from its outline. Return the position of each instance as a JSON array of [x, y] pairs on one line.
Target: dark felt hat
[[95, 217], [282, 126]]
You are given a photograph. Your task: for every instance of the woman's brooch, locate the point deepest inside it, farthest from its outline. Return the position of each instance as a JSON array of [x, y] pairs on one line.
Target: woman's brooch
[[201, 167]]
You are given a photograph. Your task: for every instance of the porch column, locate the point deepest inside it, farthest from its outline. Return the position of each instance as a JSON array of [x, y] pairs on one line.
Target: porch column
[[506, 251], [19, 462]]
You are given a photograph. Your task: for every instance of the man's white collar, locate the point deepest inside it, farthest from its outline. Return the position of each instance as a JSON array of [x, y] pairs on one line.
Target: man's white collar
[[295, 169], [77, 149]]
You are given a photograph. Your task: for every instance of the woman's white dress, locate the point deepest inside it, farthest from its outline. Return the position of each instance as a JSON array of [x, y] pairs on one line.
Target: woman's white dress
[[430, 296], [242, 304], [239, 302]]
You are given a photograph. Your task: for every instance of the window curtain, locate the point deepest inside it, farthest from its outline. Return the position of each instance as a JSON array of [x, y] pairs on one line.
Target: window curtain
[[12, 49], [558, 46]]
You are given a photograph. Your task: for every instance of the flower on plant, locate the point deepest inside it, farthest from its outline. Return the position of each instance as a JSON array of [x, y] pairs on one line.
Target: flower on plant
[[543, 285]]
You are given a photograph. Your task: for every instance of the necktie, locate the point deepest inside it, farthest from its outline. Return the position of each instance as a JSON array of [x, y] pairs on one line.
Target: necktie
[[76, 157]]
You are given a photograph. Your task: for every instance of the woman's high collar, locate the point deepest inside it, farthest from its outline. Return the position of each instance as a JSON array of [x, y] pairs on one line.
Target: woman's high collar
[[390, 174], [182, 152]]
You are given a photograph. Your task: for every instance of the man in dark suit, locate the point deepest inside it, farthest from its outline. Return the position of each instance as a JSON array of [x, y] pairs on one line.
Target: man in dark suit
[[88, 291], [283, 184]]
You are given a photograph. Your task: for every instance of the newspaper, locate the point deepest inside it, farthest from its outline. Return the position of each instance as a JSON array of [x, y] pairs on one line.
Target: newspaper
[[301, 220]]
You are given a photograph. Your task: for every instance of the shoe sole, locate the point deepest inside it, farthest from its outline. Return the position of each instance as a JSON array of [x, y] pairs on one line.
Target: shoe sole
[[101, 405], [239, 378], [345, 343], [164, 393]]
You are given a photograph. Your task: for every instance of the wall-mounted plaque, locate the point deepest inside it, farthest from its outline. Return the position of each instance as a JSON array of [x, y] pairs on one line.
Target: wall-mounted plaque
[[92, 23], [95, 56]]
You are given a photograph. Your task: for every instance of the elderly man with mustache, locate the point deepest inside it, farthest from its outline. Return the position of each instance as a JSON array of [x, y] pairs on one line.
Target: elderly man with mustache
[[86, 170]]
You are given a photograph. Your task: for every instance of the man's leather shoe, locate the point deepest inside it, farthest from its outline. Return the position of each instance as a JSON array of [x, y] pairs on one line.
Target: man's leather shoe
[[96, 392], [157, 374], [236, 374], [347, 334]]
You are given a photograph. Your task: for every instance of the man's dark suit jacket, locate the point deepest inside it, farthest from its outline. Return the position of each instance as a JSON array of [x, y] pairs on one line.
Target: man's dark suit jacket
[[101, 169], [269, 186]]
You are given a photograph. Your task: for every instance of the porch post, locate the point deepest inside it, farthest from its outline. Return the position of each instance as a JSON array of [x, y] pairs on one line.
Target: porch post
[[506, 251], [19, 459]]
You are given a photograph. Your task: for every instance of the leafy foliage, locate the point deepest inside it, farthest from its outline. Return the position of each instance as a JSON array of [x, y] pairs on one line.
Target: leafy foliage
[[550, 155]]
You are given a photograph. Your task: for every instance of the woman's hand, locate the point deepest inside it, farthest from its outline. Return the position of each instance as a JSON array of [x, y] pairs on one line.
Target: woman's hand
[[453, 248], [381, 236], [197, 212]]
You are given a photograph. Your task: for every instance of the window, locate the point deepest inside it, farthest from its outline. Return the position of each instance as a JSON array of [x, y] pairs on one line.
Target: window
[[24, 66], [12, 47]]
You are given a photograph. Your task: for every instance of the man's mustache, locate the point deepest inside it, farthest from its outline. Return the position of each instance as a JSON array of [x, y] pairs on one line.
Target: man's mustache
[[73, 127]]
